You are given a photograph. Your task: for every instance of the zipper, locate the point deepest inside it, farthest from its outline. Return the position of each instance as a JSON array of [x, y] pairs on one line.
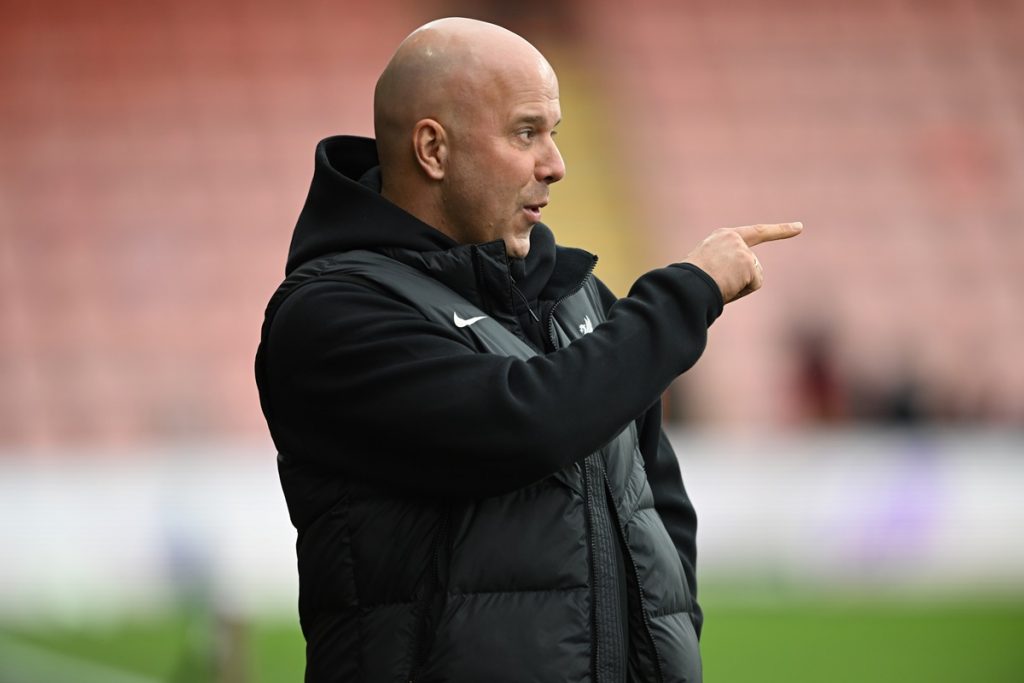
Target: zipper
[[606, 613], [421, 645], [551, 313], [636, 582], [588, 508]]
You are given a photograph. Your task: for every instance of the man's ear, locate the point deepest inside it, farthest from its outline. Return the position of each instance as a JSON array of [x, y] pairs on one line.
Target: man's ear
[[430, 143]]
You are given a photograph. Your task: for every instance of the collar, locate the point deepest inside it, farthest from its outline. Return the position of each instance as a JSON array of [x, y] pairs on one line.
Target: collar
[[484, 274]]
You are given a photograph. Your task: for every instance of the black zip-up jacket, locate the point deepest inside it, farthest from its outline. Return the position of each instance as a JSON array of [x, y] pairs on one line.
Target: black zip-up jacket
[[370, 399]]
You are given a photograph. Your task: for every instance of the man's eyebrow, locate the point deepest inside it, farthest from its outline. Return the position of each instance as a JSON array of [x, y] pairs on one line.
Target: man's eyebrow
[[534, 119]]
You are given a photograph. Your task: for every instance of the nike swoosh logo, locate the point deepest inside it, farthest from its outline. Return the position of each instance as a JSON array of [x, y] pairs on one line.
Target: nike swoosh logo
[[460, 322]]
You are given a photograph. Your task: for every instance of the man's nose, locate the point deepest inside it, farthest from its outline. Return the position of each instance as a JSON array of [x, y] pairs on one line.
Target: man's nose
[[550, 167]]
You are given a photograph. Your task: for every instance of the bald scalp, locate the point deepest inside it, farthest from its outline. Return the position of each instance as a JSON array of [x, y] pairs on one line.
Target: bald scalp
[[443, 70]]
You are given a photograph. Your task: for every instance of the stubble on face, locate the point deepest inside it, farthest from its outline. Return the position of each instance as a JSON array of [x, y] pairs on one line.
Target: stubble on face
[[492, 190]]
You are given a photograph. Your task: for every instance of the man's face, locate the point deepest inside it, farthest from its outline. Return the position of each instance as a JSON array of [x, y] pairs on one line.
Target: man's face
[[502, 158]]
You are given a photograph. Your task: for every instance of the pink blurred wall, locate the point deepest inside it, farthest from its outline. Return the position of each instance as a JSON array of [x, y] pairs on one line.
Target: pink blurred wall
[[154, 158]]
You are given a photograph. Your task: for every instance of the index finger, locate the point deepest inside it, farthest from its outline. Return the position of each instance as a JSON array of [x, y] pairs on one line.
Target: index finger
[[769, 232]]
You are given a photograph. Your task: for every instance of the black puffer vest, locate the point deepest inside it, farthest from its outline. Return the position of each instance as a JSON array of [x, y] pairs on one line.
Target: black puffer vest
[[519, 587]]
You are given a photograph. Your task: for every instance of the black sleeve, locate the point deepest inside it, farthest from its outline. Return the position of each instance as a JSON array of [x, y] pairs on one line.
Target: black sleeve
[[364, 385], [670, 499]]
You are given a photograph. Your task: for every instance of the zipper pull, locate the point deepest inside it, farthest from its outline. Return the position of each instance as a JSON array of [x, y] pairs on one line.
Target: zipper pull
[[526, 303]]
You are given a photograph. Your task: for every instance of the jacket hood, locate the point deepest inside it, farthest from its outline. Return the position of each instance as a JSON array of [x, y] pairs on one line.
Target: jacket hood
[[345, 211]]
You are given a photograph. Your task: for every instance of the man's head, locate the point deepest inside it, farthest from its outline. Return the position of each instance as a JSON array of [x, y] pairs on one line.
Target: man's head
[[465, 114]]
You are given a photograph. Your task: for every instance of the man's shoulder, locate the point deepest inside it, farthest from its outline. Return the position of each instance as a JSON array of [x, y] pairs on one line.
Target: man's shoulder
[[355, 271], [327, 287]]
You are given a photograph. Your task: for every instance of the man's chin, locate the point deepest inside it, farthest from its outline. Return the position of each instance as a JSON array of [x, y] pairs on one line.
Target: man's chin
[[517, 247]]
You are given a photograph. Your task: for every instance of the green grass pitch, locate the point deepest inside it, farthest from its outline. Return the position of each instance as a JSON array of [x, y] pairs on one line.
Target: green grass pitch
[[806, 640]]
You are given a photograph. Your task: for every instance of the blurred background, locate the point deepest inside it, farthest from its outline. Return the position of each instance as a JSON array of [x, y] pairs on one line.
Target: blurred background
[[853, 437]]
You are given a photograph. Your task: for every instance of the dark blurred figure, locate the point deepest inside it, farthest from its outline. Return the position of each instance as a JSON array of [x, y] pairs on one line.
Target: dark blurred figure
[[820, 389]]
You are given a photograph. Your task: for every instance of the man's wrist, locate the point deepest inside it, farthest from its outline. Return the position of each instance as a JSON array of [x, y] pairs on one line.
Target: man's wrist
[[719, 301]]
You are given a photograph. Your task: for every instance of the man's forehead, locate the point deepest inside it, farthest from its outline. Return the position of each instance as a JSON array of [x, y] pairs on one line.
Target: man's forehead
[[517, 95], [531, 90]]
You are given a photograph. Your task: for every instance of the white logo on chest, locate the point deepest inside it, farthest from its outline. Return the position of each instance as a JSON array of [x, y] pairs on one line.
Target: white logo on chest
[[586, 327], [466, 322]]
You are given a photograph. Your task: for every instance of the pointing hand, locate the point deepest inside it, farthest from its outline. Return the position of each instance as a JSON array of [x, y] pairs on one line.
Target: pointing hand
[[726, 256]]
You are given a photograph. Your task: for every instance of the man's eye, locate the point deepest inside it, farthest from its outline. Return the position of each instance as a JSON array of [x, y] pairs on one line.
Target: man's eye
[[526, 134]]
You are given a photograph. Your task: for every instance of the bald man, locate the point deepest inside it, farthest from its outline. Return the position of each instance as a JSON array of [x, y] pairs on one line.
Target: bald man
[[468, 421]]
